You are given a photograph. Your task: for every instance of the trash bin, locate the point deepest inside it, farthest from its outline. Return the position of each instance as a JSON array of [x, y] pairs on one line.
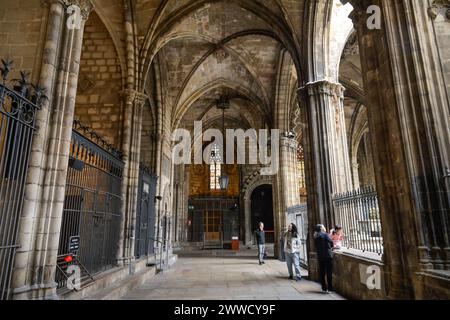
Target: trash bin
[[235, 244]]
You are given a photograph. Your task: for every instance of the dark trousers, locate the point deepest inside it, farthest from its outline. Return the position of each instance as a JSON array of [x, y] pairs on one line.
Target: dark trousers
[[326, 270]]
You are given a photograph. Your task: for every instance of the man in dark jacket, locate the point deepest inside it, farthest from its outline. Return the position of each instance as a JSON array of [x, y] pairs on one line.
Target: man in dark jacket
[[324, 247], [260, 235]]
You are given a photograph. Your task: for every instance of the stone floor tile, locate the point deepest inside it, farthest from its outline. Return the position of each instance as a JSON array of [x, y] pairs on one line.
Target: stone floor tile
[[227, 278]]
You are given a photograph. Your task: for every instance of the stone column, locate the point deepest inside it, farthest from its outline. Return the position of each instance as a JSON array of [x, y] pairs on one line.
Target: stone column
[[34, 275], [135, 156], [409, 122], [128, 97], [180, 204], [355, 170], [327, 163], [288, 170], [286, 186], [131, 147]]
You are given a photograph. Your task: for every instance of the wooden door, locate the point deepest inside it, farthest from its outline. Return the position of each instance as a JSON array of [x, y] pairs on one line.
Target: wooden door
[[212, 222]]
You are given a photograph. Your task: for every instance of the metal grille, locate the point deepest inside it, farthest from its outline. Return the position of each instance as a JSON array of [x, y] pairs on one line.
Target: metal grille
[[17, 124], [145, 217], [299, 216], [92, 206], [229, 220], [359, 215]]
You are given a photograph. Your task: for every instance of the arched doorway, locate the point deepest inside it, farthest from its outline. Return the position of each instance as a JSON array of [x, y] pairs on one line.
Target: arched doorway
[[262, 210]]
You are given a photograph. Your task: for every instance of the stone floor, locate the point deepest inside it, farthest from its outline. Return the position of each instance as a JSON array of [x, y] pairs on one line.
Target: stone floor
[[227, 278]]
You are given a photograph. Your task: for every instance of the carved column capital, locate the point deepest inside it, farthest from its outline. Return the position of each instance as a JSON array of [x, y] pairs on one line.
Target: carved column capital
[[439, 7], [289, 143], [140, 98], [323, 87], [360, 14], [128, 96]]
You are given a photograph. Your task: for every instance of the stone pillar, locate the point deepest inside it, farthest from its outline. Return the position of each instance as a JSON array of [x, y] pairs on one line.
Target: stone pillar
[[327, 163], [409, 123], [34, 275], [288, 172], [180, 203], [128, 97], [355, 170], [131, 147], [183, 205], [135, 156], [286, 184]]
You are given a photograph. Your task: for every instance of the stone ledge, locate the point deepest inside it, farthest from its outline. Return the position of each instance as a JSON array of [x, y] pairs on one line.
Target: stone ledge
[[107, 279], [438, 274], [368, 257], [432, 284], [351, 277], [119, 289]]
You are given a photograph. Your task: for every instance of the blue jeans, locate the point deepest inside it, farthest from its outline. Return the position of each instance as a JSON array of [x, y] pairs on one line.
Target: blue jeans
[[293, 258], [261, 250]]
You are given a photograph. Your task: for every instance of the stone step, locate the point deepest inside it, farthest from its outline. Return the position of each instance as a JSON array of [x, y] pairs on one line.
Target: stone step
[[121, 288]]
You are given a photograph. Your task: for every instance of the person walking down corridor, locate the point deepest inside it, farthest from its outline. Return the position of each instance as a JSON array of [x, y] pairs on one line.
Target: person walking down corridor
[[292, 252], [324, 247], [260, 235]]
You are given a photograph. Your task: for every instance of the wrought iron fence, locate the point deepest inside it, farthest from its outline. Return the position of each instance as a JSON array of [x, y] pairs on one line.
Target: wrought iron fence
[[215, 221], [145, 213], [90, 227], [299, 216], [18, 107], [359, 215]]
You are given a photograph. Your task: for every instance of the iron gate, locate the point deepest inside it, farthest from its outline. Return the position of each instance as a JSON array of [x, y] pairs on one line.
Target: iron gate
[[299, 216], [229, 216], [145, 213], [90, 227], [358, 214], [17, 124]]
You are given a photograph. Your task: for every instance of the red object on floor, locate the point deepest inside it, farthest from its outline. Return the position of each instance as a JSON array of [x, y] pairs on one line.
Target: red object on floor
[[235, 244]]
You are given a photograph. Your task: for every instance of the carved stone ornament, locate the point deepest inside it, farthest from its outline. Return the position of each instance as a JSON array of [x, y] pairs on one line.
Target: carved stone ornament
[[438, 7], [352, 46]]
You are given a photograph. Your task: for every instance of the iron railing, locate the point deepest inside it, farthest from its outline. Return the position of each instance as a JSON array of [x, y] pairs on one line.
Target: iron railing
[[18, 108], [359, 215], [145, 213], [92, 206], [299, 216]]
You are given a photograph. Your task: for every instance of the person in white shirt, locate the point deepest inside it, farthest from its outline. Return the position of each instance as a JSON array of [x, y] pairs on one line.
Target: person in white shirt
[[292, 247]]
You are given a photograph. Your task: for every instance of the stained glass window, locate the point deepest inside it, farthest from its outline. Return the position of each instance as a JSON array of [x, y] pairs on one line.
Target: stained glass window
[[215, 168]]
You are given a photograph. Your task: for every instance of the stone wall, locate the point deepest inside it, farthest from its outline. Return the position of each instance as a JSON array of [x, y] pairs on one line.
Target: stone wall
[[21, 32], [432, 285], [441, 23], [350, 277], [98, 97]]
